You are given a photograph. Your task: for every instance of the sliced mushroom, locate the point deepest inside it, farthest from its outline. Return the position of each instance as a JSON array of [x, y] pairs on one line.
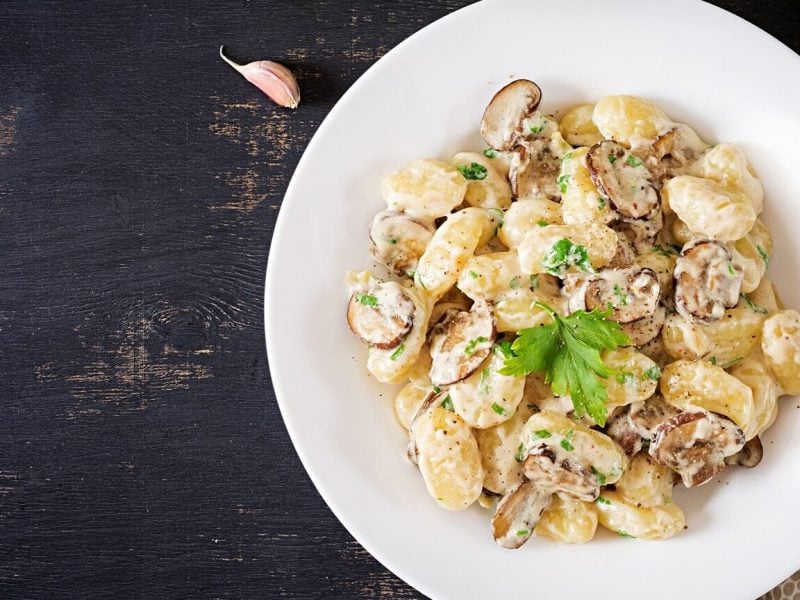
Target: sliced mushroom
[[381, 314], [695, 445], [460, 342], [551, 467], [398, 240], [646, 416], [623, 179], [631, 293], [533, 172], [641, 232], [645, 330], [706, 281], [620, 429], [625, 256], [429, 402], [749, 456], [678, 148], [517, 514], [502, 122]]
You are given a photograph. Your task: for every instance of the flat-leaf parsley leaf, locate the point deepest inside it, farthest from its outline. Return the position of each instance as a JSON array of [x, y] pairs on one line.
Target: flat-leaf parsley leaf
[[567, 351], [475, 171]]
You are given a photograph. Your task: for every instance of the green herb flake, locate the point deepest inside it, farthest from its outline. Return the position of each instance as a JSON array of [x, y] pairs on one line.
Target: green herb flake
[[563, 181], [490, 153], [602, 500], [472, 346], [713, 360], [474, 172], [612, 158], [542, 223], [653, 373], [534, 282], [731, 269], [498, 409], [523, 533], [539, 128], [732, 362], [566, 445], [626, 378], [567, 351], [504, 348], [520, 455], [473, 274], [763, 254], [563, 255], [367, 300], [398, 353], [567, 156], [601, 203], [500, 218], [514, 283], [622, 297], [658, 249], [753, 306], [447, 403], [600, 477], [436, 389], [543, 434], [632, 161], [622, 533]]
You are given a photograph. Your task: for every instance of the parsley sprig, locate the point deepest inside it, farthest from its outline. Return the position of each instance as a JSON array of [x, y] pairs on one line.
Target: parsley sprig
[[567, 351]]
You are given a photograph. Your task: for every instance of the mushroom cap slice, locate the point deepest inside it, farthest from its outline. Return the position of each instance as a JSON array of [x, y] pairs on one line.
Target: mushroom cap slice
[[749, 456], [645, 330], [501, 124], [517, 514], [632, 293], [695, 445], [534, 170], [551, 467], [706, 281], [620, 429], [381, 315], [460, 342], [397, 240], [623, 179], [646, 416]]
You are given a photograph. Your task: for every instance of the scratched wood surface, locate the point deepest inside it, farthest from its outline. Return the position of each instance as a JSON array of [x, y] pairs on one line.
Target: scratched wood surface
[[142, 454]]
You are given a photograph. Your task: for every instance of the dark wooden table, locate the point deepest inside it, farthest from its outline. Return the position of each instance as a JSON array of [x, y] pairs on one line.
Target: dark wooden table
[[142, 454]]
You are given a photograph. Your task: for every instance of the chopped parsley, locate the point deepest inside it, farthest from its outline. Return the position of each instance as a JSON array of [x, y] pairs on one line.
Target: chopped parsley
[[367, 300], [534, 282], [626, 378], [504, 348], [472, 346], [398, 353], [389, 240], [484, 381], [671, 251], [562, 181], [436, 389], [753, 306], [498, 409], [624, 534], [622, 298], [566, 443], [542, 223], [653, 373], [713, 360], [563, 255], [567, 156], [539, 128], [490, 153], [731, 270], [523, 532], [763, 254], [514, 283], [632, 161], [600, 477], [473, 274], [474, 172], [543, 434], [500, 218], [567, 351], [612, 158], [447, 403], [520, 455], [601, 203], [601, 500]]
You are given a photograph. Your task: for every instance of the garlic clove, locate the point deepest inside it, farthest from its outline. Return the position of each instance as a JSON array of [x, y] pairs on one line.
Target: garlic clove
[[272, 78]]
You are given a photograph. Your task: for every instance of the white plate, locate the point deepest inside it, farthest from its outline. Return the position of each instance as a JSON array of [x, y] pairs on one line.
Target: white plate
[[704, 66]]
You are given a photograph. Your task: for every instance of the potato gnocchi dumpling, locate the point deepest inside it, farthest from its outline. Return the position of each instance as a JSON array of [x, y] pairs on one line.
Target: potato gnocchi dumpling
[[579, 317]]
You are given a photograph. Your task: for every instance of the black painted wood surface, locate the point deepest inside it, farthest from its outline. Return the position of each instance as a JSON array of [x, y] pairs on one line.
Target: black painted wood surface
[[142, 454]]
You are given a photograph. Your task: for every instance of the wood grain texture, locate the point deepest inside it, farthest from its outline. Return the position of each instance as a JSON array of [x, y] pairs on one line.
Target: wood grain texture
[[142, 454]]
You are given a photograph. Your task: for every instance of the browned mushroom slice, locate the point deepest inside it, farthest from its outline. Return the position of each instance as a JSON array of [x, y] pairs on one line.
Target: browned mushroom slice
[[381, 315], [620, 429], [646, 416], [695, 445], [503, 118], [706, 281], [641, 232], [632, 293], [623, 179], [677, 148], [749, 456], [397, 240], [517, 514], [551, 467], [645, 330], [625, 255], [429, 402], [533, 171], [460, 342]]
